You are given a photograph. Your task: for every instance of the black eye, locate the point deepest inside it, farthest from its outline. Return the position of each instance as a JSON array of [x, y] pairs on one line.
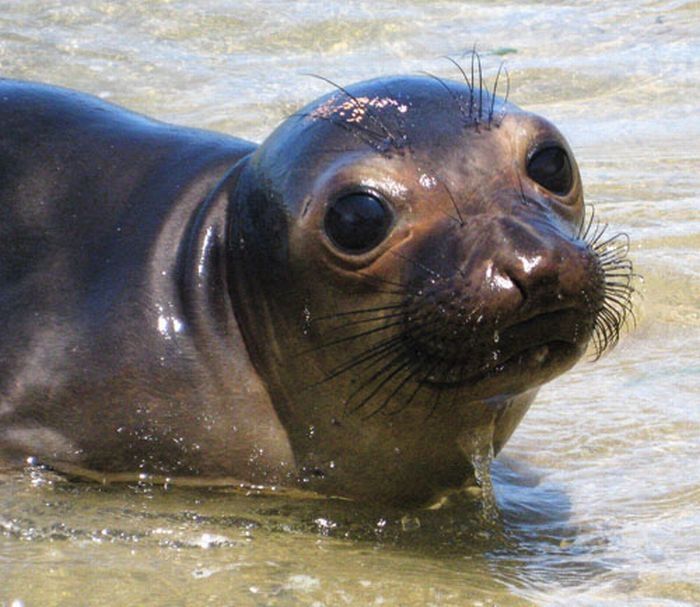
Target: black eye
[[357, 223], [551, 168]]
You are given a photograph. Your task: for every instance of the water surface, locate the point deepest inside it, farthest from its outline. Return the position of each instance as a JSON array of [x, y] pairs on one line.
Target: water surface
[[599, 489]]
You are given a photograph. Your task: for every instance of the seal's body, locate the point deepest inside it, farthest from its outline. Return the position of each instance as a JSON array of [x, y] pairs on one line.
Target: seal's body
[[346, 307], [119, 349]]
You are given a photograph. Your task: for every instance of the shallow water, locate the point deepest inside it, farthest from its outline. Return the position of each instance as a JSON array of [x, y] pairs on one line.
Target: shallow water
[[599, 489]]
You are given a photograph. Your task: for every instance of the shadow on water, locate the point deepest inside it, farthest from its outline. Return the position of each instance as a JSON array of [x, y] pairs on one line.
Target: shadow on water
[[530, 543]]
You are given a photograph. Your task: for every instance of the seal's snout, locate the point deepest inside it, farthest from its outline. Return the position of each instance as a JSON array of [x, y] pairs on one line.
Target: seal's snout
[[507, 293]]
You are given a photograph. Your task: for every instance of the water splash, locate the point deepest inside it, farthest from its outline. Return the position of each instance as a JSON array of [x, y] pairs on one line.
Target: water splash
[[477, 443]]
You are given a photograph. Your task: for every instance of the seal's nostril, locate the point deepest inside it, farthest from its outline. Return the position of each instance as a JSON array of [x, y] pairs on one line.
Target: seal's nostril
[[519, 286], [527, 272]]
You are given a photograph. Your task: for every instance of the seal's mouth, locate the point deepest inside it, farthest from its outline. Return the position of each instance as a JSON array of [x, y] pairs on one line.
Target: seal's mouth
[[525, 348], [528, 360]]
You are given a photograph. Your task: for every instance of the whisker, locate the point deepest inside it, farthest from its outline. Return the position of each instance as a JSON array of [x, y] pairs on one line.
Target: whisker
[[438, 394], [598, 233], [419, 265], [461, 71], [394, 366], [451, 93], [358, 311], [523, 198], [454, 203], [585, 226], [382, 347], [411, 373], [623, 246], [400, 339], [505, 97], [493, 94], [349, 338], [420, 384], [401, 285], [481, 86], [361, 321], [403, 357], [617, 308], [378, 352]]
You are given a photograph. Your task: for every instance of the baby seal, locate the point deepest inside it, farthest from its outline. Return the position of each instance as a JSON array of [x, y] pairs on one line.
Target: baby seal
[[393, 272]]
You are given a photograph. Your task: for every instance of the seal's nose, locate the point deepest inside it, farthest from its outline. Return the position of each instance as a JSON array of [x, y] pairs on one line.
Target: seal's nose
[[550, 269]]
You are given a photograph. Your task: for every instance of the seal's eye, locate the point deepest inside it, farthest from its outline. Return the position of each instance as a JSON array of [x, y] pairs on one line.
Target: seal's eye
[[551, 168], [356, 223]]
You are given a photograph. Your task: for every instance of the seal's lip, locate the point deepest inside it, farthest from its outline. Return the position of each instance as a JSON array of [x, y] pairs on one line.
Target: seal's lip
[[526, 360], [548, 338], [537, 356], [555, 323]]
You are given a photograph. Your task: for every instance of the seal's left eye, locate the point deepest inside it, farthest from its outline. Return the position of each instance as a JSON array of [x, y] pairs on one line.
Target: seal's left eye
[[356, 223], [551, 168]]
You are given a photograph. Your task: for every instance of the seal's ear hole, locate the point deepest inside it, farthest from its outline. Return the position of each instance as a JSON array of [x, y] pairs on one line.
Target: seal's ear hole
[[550, 166], [356, 223]]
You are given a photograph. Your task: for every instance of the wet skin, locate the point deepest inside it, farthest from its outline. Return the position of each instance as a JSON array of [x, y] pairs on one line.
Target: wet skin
[[349, 307]]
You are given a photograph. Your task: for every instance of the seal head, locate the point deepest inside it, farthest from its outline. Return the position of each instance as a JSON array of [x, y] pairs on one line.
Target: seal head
[[408, 264]]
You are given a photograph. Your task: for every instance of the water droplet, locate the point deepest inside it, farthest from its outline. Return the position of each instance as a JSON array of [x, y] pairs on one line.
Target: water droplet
[[325, 526], [306, 327], [410, 523]]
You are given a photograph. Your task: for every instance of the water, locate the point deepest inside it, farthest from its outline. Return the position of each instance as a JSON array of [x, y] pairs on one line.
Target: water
[[599, 489]]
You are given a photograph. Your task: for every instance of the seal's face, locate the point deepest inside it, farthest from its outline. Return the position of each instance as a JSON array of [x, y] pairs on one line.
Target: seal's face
[[435, 268]]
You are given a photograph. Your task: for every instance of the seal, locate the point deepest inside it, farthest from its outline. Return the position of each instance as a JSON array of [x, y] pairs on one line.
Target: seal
[[349, 307]]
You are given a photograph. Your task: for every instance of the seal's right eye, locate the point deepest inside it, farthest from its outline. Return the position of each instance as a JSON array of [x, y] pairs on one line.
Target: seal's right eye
[[356, 223], [550, 167]]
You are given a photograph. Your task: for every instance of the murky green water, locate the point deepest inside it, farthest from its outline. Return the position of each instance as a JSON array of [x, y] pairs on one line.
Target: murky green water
[[599, 489]]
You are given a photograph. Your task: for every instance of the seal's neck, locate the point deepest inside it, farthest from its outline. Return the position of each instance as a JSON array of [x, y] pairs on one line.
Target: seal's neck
[[201, 277]]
